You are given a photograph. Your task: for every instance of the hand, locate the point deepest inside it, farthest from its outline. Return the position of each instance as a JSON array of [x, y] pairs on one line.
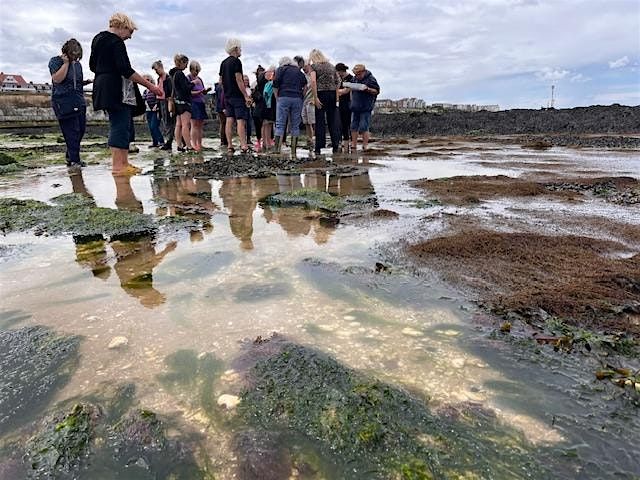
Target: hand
[[156, 90], [317, 103], [248, 101], [65, 58]]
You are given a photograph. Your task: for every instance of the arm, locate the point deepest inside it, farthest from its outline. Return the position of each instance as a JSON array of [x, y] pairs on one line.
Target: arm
[[240, 82], [314, 89], [61, 73], [137, 78]]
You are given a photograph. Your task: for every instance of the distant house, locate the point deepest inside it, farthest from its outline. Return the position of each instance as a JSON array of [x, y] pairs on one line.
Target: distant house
[[41, 87], [10, 82]]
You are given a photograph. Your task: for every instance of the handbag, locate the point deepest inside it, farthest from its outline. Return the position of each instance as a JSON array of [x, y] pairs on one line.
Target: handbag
[[140, 107]]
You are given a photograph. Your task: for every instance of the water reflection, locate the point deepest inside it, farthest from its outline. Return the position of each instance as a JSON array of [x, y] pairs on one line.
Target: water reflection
[[135, 259]]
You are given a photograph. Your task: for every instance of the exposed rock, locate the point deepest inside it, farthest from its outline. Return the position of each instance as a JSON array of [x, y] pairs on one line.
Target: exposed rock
[[118, 342]]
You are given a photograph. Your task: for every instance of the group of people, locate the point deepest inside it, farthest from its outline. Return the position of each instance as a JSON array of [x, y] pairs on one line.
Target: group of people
[[312, 92]]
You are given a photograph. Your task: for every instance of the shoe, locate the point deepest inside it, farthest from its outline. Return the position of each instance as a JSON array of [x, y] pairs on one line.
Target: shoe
[[181, 149], [129, 171], [166, 146]]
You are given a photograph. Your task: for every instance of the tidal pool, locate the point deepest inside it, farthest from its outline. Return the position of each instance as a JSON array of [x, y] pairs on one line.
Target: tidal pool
[[254, 269]]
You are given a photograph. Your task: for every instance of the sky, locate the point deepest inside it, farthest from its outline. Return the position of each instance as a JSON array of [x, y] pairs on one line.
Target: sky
[[505, 52]]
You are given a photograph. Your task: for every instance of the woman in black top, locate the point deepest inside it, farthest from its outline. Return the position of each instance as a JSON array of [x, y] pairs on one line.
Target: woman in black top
[[114, 89], [182, 97]]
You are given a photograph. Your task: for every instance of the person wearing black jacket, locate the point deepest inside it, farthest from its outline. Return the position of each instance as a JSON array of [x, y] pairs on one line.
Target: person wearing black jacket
[[182, 97], [114, 90], [344, 103]]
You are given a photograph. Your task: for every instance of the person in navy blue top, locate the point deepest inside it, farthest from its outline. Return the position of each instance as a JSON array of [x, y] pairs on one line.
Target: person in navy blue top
[[67, 98], [288, 87], [362, 102]]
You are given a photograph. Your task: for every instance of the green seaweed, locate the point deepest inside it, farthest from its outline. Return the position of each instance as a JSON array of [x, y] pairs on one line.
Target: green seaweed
[[308, 198], [376, 430], [63, 442]]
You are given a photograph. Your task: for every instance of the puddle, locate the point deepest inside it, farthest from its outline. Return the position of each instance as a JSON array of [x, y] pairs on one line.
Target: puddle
[[254, 269]]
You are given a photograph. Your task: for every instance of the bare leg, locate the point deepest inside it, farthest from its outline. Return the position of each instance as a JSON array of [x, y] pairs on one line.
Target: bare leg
[[365, 140], [186, 132], [119, 159], [242, 133], [354, 140], [178, 131], [229, 131]]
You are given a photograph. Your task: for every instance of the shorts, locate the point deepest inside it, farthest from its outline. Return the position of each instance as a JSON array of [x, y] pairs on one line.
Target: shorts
[[121, 131], [182, 107], [198, 111], [309, 113], [360, 121], [236, 108]]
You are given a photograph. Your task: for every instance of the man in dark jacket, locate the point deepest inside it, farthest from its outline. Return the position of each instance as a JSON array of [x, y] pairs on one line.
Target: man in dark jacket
[[344, 103], [363, 100]]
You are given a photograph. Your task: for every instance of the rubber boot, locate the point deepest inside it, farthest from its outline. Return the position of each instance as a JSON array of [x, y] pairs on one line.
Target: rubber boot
[[278, 145], [294, 146]]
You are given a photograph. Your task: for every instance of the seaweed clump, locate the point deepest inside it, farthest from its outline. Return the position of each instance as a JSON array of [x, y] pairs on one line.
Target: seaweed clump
[[307, 198], [369, 429]]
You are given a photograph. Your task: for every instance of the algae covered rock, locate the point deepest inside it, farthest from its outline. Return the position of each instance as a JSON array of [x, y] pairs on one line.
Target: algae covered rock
[[35, 362], [63, 442], [307, 198], [368, 429], [77, 215]]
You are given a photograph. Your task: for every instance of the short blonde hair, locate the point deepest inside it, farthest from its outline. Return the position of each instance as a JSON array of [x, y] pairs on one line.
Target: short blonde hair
[[180, 58], [358, 68], [120, 20], [194, 66], [232, 44], [316, 56]]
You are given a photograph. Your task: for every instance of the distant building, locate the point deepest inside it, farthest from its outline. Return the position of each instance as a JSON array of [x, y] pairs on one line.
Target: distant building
[[41, 87], [10, 82]]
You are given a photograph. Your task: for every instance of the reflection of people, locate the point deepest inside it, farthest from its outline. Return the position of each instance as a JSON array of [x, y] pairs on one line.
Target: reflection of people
[[90, 250], [136, 259], [67, 98], [362, 103], [186, 196], [237, 196], [114, 89]]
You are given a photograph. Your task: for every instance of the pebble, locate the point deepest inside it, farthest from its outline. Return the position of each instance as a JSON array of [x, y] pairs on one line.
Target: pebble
[[228, 401], [458, 362], [118, 342], [412, 332]]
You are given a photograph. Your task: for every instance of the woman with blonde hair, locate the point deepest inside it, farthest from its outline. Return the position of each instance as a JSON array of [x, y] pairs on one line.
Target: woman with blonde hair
[[198, 110], [114, 90], [182, 99], [324, 85]]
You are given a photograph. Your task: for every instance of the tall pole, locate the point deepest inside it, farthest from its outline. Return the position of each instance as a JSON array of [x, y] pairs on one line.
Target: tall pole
[[553, 87]]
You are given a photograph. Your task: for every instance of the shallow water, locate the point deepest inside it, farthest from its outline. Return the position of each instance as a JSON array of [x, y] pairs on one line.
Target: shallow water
[[248, 273]]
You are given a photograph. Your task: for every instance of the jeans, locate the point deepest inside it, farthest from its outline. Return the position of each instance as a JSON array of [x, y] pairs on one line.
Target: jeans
[[288, 107], [73, 129], [328, 110], [154, 127]]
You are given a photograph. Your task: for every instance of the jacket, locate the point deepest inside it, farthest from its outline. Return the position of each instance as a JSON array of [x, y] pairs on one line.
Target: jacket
[[109, 62], [363, 101]]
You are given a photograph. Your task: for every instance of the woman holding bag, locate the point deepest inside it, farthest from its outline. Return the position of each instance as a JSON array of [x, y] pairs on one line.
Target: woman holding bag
[[114, 88]]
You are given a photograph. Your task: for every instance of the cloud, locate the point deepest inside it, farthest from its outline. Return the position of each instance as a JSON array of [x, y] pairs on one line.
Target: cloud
[[416, 48], [579, 78], [551, 74], [619, 63]]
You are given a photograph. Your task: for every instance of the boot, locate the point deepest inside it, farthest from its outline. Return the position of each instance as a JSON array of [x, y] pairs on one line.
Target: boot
[[294, 145], [278, 145]]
